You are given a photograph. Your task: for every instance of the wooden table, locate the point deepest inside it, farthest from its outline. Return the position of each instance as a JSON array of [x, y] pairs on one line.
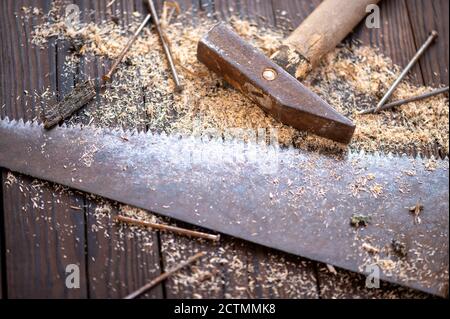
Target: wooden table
[[37, 244]]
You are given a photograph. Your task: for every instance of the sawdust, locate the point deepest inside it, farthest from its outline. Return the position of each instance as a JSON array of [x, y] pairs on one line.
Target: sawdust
[[230, 271], [351, 78], [344, 285], [393, 259], [231, 268], [416, 210], [365, 184], [354, 78], [370, 248]]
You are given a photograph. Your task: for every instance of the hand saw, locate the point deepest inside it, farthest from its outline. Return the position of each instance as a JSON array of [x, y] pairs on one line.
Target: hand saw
[[284, 198]]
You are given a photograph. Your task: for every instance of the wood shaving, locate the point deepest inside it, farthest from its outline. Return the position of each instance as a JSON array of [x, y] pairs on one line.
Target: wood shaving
[[370, 249], [351, 78], [331, 269], [417, 210]]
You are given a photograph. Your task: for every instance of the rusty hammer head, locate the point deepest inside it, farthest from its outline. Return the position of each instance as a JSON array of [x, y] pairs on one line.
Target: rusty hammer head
[[272, 88]]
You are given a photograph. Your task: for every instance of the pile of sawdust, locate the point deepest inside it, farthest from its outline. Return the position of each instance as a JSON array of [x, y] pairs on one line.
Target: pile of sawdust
[[351, 78], [354, 78]]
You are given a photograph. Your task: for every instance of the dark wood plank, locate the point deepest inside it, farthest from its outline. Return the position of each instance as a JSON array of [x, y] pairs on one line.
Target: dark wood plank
[[116, 263], [174, 248], [119, 259], [279, 275], [289, 14], [245, 270], [10, 56], [426, 16], [259, 11], [349, 285], [3, 97], [40, 241], [44, 234], [236, 269], [191, 6], [395, 38]]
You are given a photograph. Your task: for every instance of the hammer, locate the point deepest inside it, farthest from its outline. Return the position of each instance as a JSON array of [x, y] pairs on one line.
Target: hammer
[[270, 85]]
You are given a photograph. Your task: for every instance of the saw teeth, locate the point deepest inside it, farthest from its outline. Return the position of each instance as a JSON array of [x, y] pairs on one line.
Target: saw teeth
[[390, 155], [129, 132], [142, 133], [117, 131], [419, 154], [176, 137], [362, 153]]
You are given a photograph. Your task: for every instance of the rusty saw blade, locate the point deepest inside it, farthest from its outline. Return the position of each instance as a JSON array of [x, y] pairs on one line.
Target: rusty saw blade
[[291, 200]]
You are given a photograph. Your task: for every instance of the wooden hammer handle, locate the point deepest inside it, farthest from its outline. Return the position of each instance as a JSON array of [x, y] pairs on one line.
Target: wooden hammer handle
[[324, 29]]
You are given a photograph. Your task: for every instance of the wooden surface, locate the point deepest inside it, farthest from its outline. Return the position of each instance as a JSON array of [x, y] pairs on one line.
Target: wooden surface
[[43, 229]]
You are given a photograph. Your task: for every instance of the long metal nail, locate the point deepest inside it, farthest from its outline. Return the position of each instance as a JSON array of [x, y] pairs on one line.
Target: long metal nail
[[108, 76], [413, 61], [178, 86], [165, 275], [407, 100]]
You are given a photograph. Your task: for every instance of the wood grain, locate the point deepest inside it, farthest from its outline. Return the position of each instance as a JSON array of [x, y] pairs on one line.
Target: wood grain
[[3, 93], [44, 234], [426, 16], [395, 39], [40, 241], [119, 262], [258, 11], [254, 278], [349, 285], [293, 11]]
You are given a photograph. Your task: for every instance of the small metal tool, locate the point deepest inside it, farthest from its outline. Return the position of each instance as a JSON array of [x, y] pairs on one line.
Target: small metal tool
[[420, 52], [178, 86], [407, 100], [268, 85]]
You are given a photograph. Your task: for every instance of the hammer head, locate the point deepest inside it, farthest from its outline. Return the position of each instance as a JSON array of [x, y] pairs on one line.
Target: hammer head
[[272, 88]]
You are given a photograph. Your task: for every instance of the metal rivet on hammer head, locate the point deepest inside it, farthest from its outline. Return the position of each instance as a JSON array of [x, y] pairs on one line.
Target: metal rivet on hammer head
[[270, 74]]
